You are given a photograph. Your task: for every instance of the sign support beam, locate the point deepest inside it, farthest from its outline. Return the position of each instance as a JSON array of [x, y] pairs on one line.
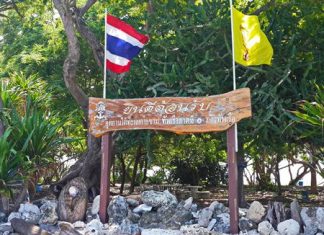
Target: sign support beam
[[105, 176], [232, 180]]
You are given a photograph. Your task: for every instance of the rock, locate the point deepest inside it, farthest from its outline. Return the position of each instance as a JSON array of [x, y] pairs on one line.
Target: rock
[[5, 227], [90, 216], [73, 201], [14, 215], [188, 203], [117, 209], [194, 207], [48, 213], [196, 230], [256, 212], [320, 218], [79, 224], [242, 212], [52, 229], [218, 208], [30, 213], [2, 217], [95, 205], [288, 227], [158, 199], [149, 220], [295, 211], [246, 225], [319, 233], [94, 227], [67, 228], [142, 208], [133, 217], [180, 217], [265, 228], [274, 232], [310, 229], [211, 224], [132, 202], [160, 232], [204, 217], [309, 219], [222, 223], [21, 226], [253, 232], [128, 228]]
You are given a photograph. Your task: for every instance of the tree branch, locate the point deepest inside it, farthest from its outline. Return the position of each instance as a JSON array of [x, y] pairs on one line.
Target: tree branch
[[73, 57], [86, 7], [264, 8]]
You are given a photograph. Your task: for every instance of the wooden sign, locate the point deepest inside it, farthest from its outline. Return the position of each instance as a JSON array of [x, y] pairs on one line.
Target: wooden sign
[[176, 114]]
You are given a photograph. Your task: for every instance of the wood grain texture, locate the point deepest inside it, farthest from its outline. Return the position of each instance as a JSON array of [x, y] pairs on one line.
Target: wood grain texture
[[176, 114]]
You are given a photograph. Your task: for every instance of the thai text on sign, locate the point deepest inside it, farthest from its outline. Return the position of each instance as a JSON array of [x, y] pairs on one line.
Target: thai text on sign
[[175, 114]]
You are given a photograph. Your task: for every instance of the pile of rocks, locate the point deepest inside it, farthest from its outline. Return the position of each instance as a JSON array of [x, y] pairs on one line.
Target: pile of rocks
[[159, 213]]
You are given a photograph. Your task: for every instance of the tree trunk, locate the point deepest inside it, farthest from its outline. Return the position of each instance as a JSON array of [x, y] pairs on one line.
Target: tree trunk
[[313, 179], [137, 160], [145, 170], [277, 175], [88, 164], [299, 177], [123, 176]]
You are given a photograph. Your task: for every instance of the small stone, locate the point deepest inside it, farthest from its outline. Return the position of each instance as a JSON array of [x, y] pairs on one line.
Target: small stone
[[5, 227], [265, 228], [246, 225], [256, 212], [188, 203], [160, 232], [204, 217], [211, 224], [30, 213], [95, 205], [242, 212], [94, 227], [289, 227], [79, 224], [132, 202], [142, 208], [73, 191], [222, 223], [14, 215]]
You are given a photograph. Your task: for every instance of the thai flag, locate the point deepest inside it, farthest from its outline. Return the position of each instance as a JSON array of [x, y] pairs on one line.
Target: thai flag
[[123, 43]]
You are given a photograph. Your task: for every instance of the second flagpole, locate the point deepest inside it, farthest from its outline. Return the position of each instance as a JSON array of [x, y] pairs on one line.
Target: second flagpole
[[106, 149], [231, 153]]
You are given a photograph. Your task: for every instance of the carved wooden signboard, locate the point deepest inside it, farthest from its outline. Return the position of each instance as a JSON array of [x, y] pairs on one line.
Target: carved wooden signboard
[[177, 114]]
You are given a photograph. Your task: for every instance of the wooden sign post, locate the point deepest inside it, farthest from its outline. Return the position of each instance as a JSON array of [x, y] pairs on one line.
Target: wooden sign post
[[180, 115]]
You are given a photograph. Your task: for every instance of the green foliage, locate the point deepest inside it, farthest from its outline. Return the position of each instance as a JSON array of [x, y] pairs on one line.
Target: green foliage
[[12, 163], [312, 115]]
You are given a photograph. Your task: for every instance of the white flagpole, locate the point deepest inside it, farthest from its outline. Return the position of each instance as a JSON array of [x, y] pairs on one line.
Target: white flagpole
[[105, 61], [233, 65]]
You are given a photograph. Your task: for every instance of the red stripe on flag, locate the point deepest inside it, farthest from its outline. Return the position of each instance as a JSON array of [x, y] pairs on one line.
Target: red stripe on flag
[[119, 24], [118, 68]]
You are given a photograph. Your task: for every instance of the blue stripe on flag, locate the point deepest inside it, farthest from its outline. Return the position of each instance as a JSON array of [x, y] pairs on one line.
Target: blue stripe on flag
[[121, 48]]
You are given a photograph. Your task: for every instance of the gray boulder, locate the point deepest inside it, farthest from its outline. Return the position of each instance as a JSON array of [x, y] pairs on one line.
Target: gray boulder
[[320, 218], [14, 215], [142, 208], [117, 209], [194, 229], [265, 228], [48, 213], [30, 213], [6, 227], [288, 227], [204, 217], [132, 202], [256, 212], [308, 215], [295, 211], [95, 227], [95, 205], [246, 225], [127, 227], [158, 199], [222, 223]]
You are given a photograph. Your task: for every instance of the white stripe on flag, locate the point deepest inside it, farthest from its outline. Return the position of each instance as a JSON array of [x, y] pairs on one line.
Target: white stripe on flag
[[111, 30], [116, 59]]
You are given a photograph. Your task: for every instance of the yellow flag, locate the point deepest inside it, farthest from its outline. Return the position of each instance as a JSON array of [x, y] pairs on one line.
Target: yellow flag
[[251, 45]]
